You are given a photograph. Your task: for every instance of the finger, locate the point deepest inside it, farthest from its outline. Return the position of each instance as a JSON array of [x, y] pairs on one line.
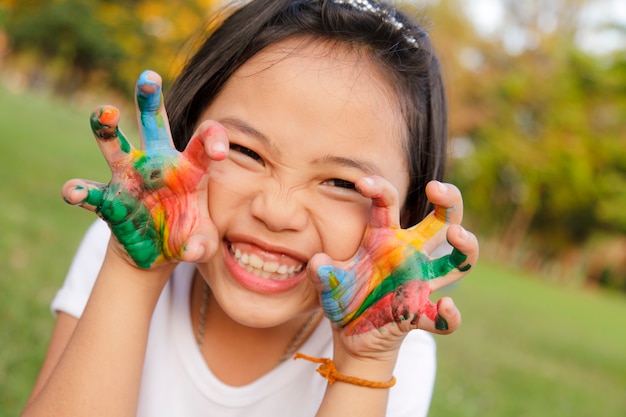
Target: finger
[[209, 142], [448, 210], [112, 142], [316, 263], [463, 257], [84, 193], [200, 247], [336, 287], [428, 234], [337, 295], [154, 126], [444, 317], [447, 201], [385, 201]]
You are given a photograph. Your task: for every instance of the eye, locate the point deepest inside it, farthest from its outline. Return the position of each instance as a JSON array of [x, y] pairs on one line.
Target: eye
[[336, 182], [245, 151]]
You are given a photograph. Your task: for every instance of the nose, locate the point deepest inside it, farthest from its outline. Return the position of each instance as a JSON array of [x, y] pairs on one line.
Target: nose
[[280, 209]]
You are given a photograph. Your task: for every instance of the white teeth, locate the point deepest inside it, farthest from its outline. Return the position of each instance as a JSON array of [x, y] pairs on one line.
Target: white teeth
[[254, 264], [270, 266]]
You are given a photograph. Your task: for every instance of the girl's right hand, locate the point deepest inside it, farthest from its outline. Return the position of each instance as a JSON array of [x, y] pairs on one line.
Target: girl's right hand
[[156, 201]]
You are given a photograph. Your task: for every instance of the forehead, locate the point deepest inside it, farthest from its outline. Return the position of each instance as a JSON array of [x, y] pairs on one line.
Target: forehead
[[349, 82], [352, 67]]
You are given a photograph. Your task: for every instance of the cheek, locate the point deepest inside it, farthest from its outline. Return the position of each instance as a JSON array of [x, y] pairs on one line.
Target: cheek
[[341, 229], [224, 196]]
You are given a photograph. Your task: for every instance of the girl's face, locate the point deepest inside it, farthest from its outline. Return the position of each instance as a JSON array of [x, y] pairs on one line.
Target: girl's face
[[304, 121]]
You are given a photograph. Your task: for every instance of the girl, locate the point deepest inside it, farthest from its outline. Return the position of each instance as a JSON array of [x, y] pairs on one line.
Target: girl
[[316, 130]]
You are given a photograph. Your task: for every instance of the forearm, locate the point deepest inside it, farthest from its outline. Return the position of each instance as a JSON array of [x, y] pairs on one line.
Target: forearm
[[99, 372], [342, 398]]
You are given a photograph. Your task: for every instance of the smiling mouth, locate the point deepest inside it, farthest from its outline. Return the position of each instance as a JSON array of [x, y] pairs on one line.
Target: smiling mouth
[[264, 269]]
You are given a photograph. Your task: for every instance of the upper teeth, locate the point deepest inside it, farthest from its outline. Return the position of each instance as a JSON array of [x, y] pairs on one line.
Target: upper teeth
[[253, 263]]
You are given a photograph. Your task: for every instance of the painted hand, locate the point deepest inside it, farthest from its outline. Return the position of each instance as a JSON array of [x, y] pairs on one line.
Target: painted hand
[[156, 201], [392, 277]]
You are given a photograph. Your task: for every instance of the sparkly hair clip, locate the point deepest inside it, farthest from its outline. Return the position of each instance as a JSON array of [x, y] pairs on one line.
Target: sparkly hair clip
[[385, 15]]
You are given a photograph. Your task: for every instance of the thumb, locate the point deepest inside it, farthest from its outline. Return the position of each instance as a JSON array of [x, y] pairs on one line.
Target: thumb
[[318, 261], [336, 287]]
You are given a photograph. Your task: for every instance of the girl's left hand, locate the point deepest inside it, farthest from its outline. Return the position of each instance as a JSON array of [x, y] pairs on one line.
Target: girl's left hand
[[375, 299]]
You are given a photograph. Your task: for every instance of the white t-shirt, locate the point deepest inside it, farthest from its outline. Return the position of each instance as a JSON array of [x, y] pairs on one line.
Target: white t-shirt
[[177, 381]]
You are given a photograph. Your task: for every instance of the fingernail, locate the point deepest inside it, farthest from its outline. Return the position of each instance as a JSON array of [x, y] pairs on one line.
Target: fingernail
[[441, 323], [369, 181], [218, 148], [442, 187], [326, 272], [331, 277]]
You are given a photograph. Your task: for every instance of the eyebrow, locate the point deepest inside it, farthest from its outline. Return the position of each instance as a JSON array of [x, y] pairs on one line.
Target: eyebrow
[[248, 130], [351, 163]]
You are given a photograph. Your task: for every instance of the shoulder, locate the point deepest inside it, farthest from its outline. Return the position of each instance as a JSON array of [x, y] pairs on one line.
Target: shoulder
[[417, 357], [81, 276], [90, 253], [93, 245], [415, 374], [419, 339]]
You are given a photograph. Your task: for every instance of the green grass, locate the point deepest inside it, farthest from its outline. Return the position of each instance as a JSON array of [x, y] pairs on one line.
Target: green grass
[[43, 143], [532, 349], [526, 348]]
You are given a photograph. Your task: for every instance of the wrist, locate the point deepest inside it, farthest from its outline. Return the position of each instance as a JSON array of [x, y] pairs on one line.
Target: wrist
[[373, 366], [119, 263], [328, 370]]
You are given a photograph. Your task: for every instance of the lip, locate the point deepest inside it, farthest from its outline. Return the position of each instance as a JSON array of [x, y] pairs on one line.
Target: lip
[[257, 283]]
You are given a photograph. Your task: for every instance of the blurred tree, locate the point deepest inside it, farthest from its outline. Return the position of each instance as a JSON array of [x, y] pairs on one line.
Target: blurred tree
[[76, 42], [63, 33], [537, 127]]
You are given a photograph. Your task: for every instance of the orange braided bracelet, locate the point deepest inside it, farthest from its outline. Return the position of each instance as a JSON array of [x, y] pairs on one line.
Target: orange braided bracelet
[[328, 370]]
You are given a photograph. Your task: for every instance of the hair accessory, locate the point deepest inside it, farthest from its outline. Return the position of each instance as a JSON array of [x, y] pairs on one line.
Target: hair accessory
[[328, 370], [385, 15]]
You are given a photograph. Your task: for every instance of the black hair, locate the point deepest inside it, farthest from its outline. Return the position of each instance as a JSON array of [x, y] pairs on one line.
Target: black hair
[[392, 39]]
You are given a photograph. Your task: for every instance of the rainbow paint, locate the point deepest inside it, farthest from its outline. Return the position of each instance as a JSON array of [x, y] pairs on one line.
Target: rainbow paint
[[388, 282], [148, 201]]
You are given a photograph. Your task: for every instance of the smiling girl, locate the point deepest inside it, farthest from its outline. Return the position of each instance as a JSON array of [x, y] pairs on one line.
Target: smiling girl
[[311, 138]]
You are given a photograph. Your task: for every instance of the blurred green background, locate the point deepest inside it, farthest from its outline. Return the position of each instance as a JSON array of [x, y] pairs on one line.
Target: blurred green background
[[537, 96]]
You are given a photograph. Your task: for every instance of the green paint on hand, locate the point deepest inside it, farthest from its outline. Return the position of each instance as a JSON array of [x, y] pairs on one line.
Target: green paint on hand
[[132, 224], [124, 143], [94, 197], [416, 266]]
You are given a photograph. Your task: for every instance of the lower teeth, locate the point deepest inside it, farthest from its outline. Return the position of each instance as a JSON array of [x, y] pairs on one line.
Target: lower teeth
[[262, 273]]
